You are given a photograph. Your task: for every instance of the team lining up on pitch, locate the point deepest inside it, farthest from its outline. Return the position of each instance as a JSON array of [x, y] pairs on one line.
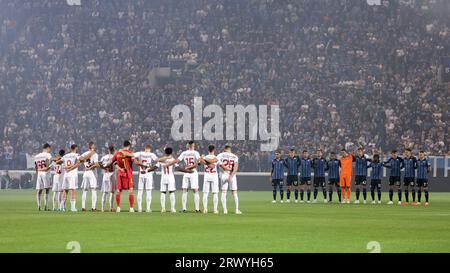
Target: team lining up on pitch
[[118, 175], [340, 175]]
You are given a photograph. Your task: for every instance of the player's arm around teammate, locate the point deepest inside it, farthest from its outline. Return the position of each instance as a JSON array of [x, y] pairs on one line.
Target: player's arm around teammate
[[89, 177], [123, 158], [108, 180], [228, 162], [72, 161], [210, 179], [57, 181], [190, 158], [43, 163]]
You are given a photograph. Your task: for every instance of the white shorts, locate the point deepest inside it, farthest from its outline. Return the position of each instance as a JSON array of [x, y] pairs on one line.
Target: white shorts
[[70, 183], [89, 181], [109, 182], [225, 185], [190, 179], [57, 182], [211, 184], [44, 180], [167, 183], [145, 182]]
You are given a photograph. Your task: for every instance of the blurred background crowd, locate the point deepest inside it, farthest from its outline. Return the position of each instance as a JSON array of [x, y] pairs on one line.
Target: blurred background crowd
[[343, 72]]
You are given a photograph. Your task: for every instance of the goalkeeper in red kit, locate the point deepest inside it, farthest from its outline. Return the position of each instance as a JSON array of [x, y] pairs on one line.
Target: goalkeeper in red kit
[[124, 157]]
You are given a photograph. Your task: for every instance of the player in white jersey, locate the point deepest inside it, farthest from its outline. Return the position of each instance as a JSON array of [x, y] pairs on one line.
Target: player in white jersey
[[109, 179], [42, 166], [89, 182], [71, 162], [145, 160], [57, 181], [210, 179], [167, 165], [228, 162], [190, 157]]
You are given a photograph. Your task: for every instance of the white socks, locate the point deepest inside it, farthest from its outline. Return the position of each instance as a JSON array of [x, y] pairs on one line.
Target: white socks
[[205, 200], [172, 200], [103, 200], [197, 200], [215, 200], [62, 204], [59, 195], [38, 198], [55, 200], [224, 200], [148, 199], [184, 199], [139, 199], [110, 199], [163, 201], [83, 199], [236, 200], [94, 199], [72, 204], [111, 195]]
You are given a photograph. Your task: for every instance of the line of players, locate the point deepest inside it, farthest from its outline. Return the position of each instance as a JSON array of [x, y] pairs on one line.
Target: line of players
[[117, 169], [340, 176]]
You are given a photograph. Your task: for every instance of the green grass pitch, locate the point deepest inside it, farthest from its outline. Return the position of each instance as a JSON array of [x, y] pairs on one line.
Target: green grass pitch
[[263, 227]]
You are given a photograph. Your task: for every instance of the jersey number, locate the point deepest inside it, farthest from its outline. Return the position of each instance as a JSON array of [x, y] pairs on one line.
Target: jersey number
[[41, 164], [210, 170], [228, 162], [189, 161]]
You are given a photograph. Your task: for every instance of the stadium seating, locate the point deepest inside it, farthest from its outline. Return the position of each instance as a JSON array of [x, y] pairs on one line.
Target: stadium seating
[[342, 71]]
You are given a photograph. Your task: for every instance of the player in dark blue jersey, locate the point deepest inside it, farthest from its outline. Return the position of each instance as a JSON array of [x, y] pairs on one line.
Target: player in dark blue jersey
[[277, 176], [361, 163], [319, 164], [395, 164], [423, 169], [305, 176], [375, 177], [292, 162], [410, 166], [333, 177]]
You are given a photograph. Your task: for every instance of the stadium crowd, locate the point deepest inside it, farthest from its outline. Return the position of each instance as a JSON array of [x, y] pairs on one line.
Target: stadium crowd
[[342, 72]]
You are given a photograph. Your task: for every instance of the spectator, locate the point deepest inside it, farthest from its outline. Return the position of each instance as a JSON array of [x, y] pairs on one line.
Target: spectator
[[4, 179], [342, 71]]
